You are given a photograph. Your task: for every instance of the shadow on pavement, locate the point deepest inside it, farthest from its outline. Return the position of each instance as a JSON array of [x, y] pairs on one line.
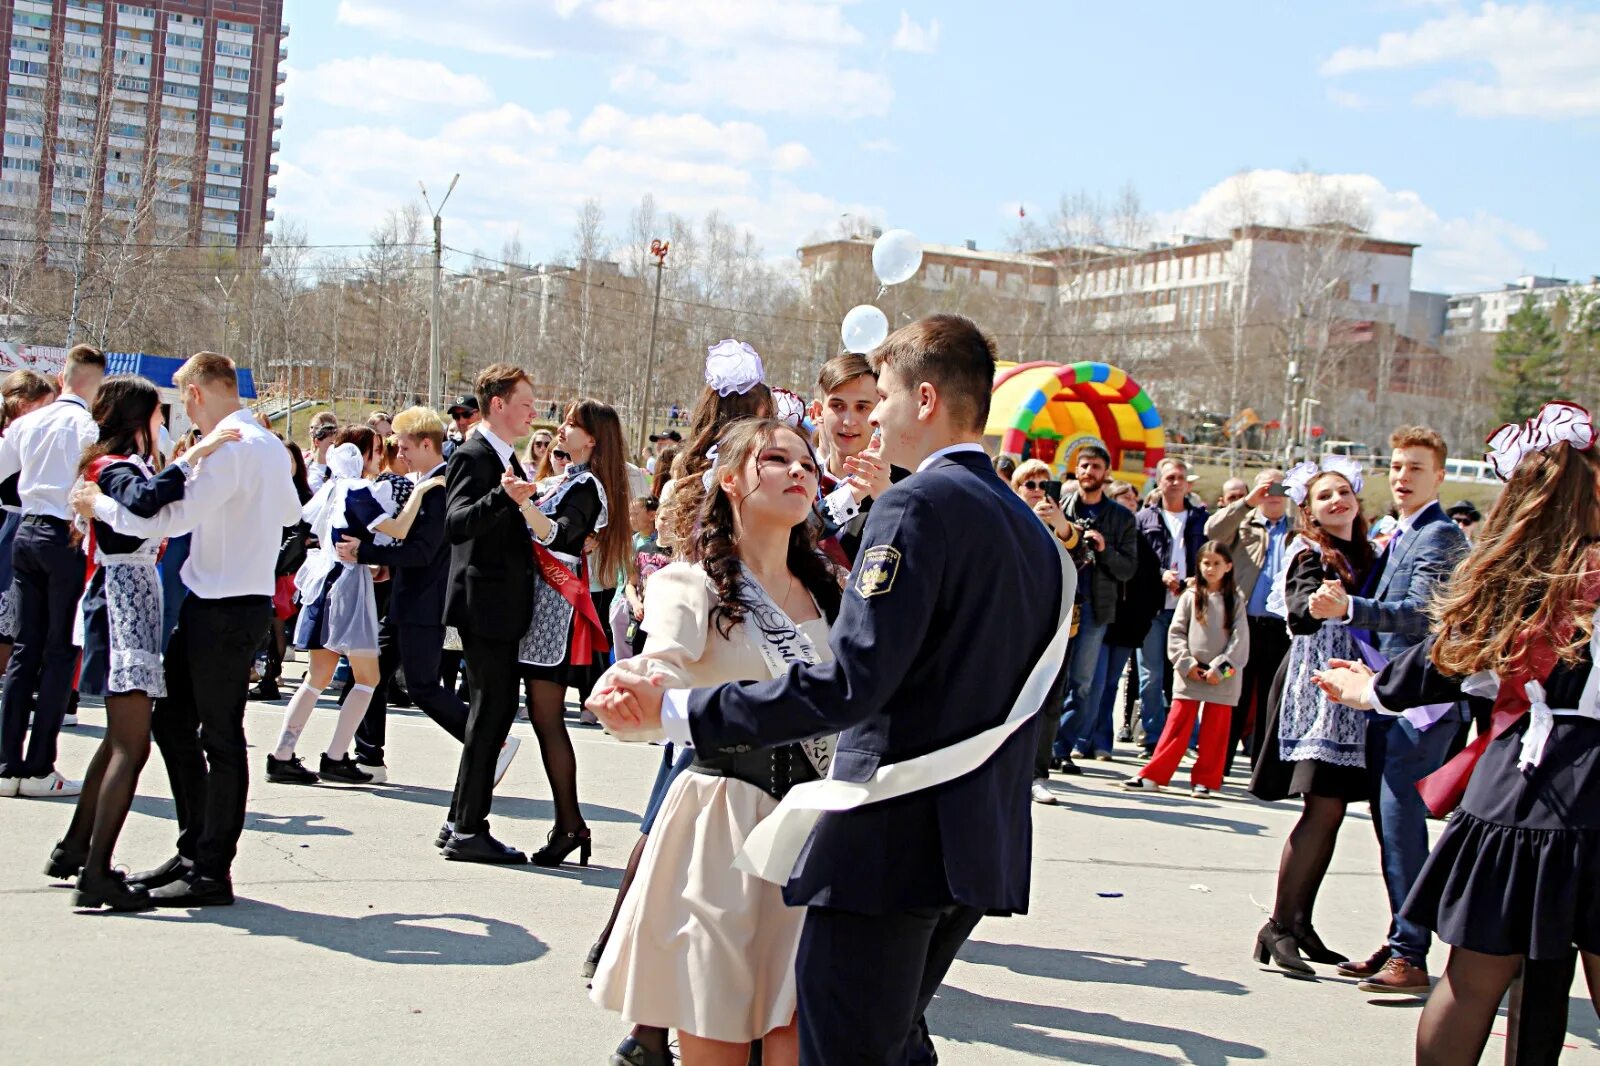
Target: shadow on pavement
[[1179, 815], [533, 810], [966, 1017], [1064, 964], [402, 939], [309, 825]]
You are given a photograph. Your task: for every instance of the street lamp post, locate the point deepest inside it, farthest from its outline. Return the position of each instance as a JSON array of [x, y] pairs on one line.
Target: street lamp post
[[658, 251], [227, 307], [435, 371], [1305, 424]]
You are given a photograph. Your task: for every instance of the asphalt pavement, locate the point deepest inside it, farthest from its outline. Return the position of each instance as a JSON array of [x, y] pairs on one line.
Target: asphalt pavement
[[353, 941]]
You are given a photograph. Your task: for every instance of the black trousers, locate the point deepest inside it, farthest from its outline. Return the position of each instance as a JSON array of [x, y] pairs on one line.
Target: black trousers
[[199, 724], [413, 651], [49, 580], [492, 676], [1269, 643], [866, 979]]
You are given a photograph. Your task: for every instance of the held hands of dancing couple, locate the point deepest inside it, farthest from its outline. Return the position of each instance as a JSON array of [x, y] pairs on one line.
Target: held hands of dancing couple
[[1347, 682], [1330, 602], [84, 493], [630, 706]]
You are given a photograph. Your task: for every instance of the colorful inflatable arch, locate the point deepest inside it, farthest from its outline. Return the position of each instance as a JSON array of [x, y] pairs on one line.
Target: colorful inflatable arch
[[1049, 411]]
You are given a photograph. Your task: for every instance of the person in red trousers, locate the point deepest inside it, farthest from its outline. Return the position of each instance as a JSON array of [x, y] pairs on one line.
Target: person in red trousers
[[1209, 643]]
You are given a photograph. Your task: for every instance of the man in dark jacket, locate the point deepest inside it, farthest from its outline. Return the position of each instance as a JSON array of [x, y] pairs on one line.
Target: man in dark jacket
[[1110, 537], [1174, 528]]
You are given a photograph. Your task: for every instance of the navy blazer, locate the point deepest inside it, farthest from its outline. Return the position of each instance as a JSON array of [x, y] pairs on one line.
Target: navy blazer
[[491, 551], [419, 566], [955, 594], [1154, 530], [1396, 612]]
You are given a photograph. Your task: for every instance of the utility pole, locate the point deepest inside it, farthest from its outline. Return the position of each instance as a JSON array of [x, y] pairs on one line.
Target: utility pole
[[658, 251], [435, 370]]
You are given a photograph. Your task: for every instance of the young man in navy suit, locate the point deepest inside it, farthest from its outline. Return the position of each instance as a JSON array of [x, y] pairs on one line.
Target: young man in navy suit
[[955, 601], [1424, 551]]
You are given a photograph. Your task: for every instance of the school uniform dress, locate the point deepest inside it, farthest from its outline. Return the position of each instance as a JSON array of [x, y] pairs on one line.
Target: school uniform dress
[[120, 616], [576, 505], [699, 945], [1313, 746], [339, 611], [1517, 869]]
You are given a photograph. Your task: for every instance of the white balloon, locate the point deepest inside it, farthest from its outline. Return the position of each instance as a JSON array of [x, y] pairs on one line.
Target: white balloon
[[865, 327], [897, 256]]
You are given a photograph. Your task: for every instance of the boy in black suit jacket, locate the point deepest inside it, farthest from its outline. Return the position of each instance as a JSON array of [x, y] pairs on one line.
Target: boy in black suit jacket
[[956, 598], [490, 596]]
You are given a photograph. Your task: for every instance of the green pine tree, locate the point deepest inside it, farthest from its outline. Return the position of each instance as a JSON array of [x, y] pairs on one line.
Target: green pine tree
[[1528, 363]]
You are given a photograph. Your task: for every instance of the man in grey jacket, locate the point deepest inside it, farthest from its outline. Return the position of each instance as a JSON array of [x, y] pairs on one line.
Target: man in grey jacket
[[1112, 557]]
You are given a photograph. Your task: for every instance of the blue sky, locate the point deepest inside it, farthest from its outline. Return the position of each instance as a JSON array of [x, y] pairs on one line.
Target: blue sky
[[1469, 128]]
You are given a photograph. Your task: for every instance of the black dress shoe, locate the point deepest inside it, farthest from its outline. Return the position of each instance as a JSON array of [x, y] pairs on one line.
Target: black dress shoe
[[64, 865], [111, 891], [591, 961], [266, 689], [481, 847], [174, 869], [195, 891], [1065, 765], [632, 1053]]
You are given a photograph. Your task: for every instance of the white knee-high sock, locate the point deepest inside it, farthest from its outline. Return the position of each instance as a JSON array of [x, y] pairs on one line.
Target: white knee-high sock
[[295, 717], [350, 715]]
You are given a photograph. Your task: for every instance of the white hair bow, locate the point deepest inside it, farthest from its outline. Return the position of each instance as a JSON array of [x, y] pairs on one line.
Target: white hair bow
[[1298, 481], [1557, 422], [733, 367], [709, 478], [790, 408]]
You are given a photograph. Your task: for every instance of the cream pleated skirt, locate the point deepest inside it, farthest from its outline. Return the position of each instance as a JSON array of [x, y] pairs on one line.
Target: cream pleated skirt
[[700, 946]]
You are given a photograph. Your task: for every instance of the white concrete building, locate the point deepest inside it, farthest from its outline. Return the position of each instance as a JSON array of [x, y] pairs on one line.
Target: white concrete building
[[1469, 313]]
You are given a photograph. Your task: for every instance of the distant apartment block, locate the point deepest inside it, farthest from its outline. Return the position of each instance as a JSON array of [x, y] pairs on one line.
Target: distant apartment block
[[155, 118], [1470, 313]]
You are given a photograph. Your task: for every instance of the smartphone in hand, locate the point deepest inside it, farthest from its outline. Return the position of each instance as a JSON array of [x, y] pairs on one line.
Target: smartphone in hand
[[1052, 489]]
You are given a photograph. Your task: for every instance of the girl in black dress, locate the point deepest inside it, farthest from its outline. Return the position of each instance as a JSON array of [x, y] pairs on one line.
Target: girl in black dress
[[1315, 748], [565, 642], [1514, 880], [119, 629]]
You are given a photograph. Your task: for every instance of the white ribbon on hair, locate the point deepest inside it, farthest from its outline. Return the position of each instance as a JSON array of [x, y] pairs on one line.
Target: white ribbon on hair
[[709, 478], [1298, 481], [1558, 422], [733, 367]]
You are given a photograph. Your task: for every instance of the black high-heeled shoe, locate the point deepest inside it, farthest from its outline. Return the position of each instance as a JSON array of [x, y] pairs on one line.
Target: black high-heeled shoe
[[1276, 945], [557, 848], [111, 891], [1312, 947]]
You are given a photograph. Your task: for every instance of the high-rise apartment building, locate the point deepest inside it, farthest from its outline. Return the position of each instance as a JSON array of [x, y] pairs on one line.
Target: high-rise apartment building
[[126, 120]]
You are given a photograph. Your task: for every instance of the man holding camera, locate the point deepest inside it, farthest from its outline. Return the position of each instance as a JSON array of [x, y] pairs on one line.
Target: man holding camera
[[1110, 559], [1255, 530]]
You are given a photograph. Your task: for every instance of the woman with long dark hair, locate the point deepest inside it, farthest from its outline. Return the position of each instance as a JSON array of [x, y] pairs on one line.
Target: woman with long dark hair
[[1315, 748], [1513, 882], [23, 391], [567, 637], [700, 946], [119, 629]]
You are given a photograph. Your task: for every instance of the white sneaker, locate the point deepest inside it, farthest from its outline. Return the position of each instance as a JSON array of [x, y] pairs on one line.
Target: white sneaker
[[1141, 782], [377, 771], [10, 786], [1200, 790], [68, 720], [51, 784], [508, 751], [1041, 794]]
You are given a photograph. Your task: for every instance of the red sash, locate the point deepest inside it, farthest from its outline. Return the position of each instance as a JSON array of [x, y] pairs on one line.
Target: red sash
[[1442, 790], [588, 635]]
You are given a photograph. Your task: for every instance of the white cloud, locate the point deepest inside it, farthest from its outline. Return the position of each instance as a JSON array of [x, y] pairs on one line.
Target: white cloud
[[1456, 253], [732, 23], [1541, 61], [911, 37], [387, 85], [781, 82], [690, 135], [486, 26]]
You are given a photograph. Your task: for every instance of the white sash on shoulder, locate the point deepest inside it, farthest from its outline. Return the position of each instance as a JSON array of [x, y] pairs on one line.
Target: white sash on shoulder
[[771, 849], [781, 644]]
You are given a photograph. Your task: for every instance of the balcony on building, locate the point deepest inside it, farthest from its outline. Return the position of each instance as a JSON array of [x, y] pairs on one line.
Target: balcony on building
[[271, 214], [277, 101], [283, 54], [272, 192], [277, 145], [281, 76], [283, 30], [277, 122], [272, 168]]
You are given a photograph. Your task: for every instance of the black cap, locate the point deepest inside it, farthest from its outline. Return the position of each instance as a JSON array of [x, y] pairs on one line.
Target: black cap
[[1465, 509], [671, 434], [464, 402]]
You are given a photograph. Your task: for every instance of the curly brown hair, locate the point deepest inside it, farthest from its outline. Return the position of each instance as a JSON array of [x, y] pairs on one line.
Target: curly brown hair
[[1529, 571], [713, 413], [716, 549]]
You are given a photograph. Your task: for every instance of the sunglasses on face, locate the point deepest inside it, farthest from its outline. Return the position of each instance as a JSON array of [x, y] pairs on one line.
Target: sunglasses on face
[[1035, 486], [1463, 520], [559, 454], [537, 443]]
